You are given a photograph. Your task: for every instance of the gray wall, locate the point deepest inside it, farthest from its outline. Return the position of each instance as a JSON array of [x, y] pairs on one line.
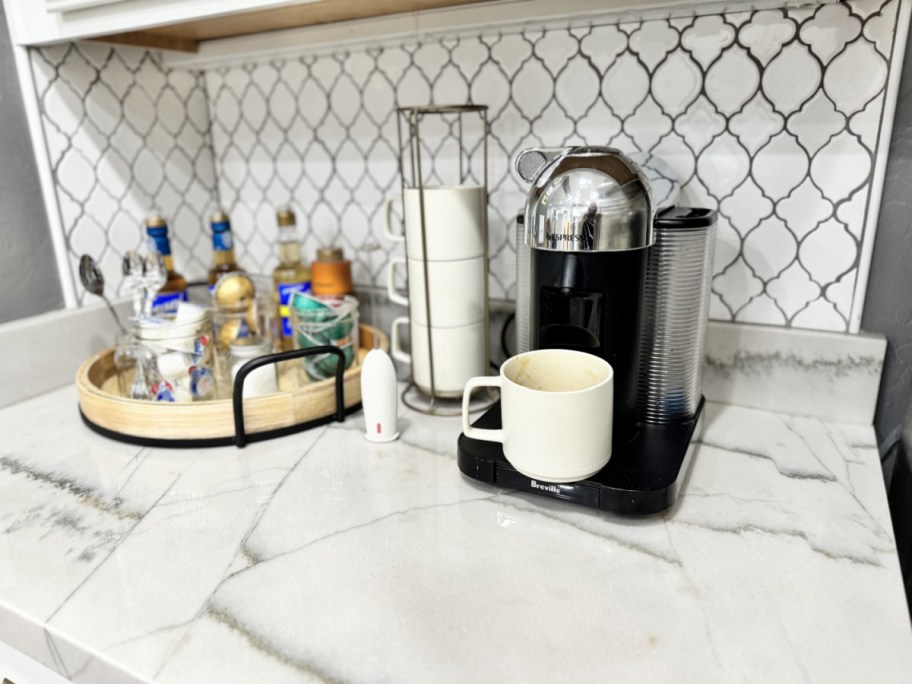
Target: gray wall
[[888, 303], [29, 283]]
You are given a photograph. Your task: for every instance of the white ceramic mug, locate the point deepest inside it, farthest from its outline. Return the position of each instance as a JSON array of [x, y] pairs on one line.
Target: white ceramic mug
[[556, 407], [454, 222], [459, 354], [456, 288]]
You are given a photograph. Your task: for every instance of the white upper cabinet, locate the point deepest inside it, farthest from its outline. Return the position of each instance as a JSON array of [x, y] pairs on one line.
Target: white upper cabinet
[[182, 24]]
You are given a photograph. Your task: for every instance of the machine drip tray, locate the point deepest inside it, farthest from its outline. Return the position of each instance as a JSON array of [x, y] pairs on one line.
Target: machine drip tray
[[643, 476]]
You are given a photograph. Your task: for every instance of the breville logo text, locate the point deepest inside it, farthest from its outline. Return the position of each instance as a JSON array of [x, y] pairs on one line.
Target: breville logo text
[[546, 488]]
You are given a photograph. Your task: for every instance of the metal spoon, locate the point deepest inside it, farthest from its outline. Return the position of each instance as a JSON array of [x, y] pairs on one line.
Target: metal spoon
[[93, 281]]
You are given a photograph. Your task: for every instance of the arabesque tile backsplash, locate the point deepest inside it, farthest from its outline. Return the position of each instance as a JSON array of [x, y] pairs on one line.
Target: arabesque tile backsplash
[[772, 116]]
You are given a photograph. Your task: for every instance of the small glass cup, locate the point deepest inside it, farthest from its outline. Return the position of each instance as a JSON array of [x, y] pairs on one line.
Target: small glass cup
[[125, 352], [136, 369]]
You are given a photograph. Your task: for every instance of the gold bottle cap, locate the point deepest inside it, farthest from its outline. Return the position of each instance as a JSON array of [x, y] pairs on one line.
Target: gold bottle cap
[[329, 254], [234, 291], [156, 220], [285, 216], [219, 217]]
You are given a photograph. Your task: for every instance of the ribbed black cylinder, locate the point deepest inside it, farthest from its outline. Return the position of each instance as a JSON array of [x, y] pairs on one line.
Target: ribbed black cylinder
[[676, 310]]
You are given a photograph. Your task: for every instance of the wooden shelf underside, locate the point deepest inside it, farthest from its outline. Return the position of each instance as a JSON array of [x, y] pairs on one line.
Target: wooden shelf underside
[[187, 37]]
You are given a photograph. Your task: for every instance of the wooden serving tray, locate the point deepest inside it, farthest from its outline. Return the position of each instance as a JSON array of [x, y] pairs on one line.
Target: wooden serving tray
[[212, 423]]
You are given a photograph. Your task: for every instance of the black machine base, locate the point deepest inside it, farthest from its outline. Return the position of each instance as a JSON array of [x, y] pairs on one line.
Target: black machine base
[[643, 476]]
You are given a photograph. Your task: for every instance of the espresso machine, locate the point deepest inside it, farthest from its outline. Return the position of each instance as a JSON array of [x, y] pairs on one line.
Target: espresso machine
[[602, 271]]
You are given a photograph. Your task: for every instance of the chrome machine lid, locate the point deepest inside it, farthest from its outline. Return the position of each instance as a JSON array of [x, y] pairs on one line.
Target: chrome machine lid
[[589, 199]]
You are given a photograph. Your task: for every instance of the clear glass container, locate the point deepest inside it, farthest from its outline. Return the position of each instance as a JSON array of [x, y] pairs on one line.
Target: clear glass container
[[261, 381], [319, 321], [178, 362], [257, 320]]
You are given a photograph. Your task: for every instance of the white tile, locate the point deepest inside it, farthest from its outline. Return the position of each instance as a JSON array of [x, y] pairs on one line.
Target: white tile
[[804, 208], [653, 41], [676, 83], [756, 123], [828, 252], [855, 76], [841, 167], [625, 85], [319, 129], [723, 166], [76, 175], [879, 29], [791, 78], [780, 166], [816, 123], [819, 315], [737, 285], [770, 248], [700, 124], [794, 289], [63, 107], [732, 80], [746, 207], [830, 29], [766, 34], [707, 38]]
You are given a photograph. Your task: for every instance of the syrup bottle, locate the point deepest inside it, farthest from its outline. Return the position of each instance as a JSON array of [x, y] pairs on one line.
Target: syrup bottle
[[223, 260], [175, 288], [290, 275]]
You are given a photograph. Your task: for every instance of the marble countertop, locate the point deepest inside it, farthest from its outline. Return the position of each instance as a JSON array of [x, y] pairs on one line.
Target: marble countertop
[[322, 557]]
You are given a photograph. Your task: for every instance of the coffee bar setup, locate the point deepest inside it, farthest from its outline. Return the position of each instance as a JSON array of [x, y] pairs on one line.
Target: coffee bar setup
[[533, 402]]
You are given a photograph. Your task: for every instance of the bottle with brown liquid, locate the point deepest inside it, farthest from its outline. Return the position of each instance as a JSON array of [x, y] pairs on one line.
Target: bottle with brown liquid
[[290, 275], [175, 288], [223, 260]]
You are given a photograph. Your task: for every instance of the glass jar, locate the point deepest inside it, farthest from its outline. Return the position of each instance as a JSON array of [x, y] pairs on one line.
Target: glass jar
[[178, 361], [135, 365], [319, 321], [261, 381], [252, 324]]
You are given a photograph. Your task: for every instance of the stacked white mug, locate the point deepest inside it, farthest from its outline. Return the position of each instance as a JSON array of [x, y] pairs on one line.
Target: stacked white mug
[[447, 275]]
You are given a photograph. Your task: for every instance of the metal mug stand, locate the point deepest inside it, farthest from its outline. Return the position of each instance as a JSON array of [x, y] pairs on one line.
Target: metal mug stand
[[436, 403]]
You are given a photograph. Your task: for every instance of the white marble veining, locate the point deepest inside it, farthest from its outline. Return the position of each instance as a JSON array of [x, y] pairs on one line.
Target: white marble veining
[[833, 376], [322, 557]]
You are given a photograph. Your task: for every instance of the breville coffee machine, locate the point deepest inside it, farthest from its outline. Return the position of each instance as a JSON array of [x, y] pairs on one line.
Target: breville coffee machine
[[607, 276]]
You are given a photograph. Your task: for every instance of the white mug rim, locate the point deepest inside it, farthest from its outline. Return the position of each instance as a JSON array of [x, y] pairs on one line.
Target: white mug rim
[[607, 379]]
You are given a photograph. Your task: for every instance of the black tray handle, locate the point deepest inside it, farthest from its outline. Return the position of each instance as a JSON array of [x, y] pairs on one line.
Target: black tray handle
[[240, 436]]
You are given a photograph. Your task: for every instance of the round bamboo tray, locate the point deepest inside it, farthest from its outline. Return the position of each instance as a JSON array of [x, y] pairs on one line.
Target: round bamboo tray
[[215, 423]]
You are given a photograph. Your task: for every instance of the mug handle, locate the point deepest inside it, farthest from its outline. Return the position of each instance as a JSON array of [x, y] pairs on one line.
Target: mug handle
[[394, 296], [388, 223], [396, 341], [474, 432]]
